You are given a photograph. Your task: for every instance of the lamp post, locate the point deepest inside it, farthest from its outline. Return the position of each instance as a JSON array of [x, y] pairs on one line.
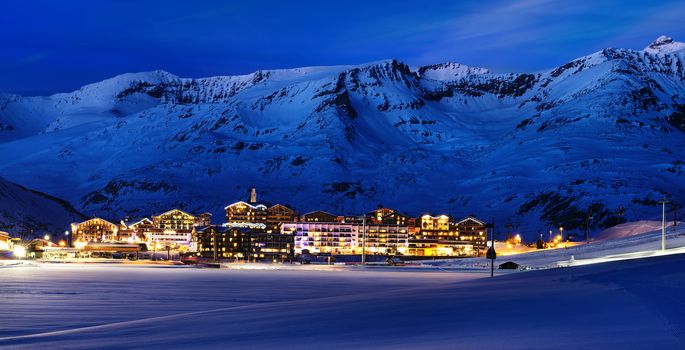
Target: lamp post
[[663, 224], [561, 233], [66, 233]]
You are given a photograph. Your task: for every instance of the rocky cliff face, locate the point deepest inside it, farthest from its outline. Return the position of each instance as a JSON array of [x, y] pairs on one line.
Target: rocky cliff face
[[601, 134]]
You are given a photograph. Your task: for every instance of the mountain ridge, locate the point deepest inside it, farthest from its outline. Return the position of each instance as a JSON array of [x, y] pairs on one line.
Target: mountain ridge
[[444, 137]]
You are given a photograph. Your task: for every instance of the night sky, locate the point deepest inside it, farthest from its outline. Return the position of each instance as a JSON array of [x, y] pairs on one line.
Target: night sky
[[57, 46]]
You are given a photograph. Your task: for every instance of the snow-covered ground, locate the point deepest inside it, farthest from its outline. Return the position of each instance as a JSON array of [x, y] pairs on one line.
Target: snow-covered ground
[[632, 300], [634, 304], [619, 243]]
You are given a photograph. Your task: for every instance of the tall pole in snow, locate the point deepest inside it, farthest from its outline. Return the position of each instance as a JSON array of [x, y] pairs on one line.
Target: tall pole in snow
[[663, 224]]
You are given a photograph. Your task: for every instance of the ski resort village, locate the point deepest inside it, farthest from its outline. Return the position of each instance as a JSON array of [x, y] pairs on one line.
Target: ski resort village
[[210, 174], [255, 231]]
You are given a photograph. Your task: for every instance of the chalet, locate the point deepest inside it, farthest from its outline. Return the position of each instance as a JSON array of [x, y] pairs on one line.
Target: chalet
[[174, 229], [174, 219], [278, 214], [204, 219], [95, 230], [243, 212], [319, 216], [387, 216], [135, 231], [435, 223]]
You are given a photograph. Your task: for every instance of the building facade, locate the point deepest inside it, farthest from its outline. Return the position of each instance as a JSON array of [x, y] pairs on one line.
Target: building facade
[[384, 239], [5, 243], [319, 216], [278, 214], [225, 242], [387, 216], [243, 212], [221, 242], [172, 229], [323, 237], [438, 236], [95, 230]]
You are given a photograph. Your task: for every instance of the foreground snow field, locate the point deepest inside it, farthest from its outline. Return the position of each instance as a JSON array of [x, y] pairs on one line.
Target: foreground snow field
[[632, 304]]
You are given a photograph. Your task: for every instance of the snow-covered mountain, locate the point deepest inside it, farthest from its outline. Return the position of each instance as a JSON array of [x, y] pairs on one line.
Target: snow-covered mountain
[[603, 133], [29, 213]]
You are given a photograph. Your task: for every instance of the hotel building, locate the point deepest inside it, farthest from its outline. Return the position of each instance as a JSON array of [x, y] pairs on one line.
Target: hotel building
[[438, 236], [95, 230]]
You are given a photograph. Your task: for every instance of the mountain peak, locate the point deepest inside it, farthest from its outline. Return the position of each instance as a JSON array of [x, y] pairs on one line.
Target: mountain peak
[[449, 71], [664, 44]]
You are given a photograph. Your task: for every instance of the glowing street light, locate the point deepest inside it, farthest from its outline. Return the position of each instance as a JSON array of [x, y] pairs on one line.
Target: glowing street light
[[46, 237], [19, 252]]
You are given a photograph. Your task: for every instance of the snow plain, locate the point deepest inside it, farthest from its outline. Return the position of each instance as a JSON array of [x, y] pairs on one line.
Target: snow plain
[[631, 304]]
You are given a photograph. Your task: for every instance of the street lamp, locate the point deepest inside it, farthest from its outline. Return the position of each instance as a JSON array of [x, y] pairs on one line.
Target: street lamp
[[46, 237], [561, 233], [66, 233], [663, 224]]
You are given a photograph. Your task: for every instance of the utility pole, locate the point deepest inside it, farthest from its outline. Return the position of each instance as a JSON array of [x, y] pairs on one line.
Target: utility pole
[[491, 254], [675, 215], [663, 224], [587, 226]]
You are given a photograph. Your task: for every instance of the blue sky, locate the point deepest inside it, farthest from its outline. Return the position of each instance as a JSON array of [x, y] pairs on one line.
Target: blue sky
[[56, 46]]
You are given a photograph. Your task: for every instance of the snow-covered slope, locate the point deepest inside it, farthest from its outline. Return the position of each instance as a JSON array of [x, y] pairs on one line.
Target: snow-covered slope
[[601, 134], [30, 213], [665, 44]]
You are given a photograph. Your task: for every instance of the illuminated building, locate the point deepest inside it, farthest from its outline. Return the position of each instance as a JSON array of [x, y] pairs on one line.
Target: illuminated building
[[5, 242], [246, 212], [95, 230], [437, 236], [319, 216], [347, 237], [174, 219], [270, 246], [323, 237], [204, 219], [173, 229], [384, 239], [435, 223], [135, 231], [278, 214], [225, 242], [387, 216], [221, 242]]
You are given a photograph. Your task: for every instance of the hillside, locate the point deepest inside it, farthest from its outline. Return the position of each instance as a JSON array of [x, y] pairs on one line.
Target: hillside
[[600, 134], [28, 213]]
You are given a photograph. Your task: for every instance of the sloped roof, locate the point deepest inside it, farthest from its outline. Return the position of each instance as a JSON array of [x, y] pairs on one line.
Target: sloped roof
[[173, 210], [255, 206], [100, 219], [471, 218]]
